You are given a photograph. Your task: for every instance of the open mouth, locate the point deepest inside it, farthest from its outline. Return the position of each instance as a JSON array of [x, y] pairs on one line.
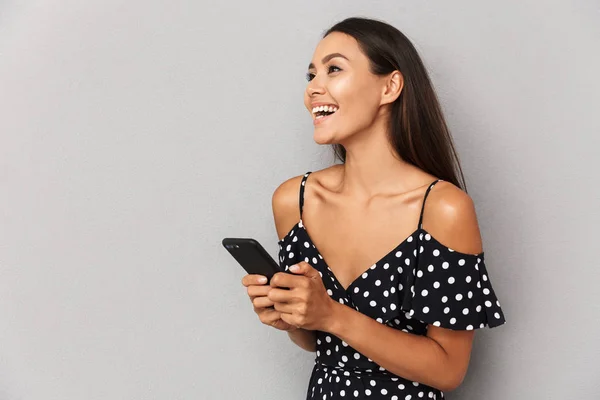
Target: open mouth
[[323, 112]]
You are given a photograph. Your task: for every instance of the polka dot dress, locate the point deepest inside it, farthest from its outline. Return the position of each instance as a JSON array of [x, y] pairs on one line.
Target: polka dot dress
[[419, 282]]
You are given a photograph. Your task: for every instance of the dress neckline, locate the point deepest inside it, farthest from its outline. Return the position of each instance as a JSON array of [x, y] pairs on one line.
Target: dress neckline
[[409, 239]]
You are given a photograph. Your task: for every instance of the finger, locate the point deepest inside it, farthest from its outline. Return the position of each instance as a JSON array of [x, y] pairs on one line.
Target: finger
[[262, 302], [289, 318], [281, 295], [253, 279], [285, 280], [287, 308], [304, 268], [268, 316], [258, 291]]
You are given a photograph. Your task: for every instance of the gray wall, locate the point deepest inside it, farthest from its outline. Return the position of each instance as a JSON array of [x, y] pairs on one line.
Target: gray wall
[[135, 135]]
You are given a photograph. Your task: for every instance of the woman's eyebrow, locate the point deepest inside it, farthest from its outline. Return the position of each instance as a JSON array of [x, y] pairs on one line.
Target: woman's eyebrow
[[327, 58]]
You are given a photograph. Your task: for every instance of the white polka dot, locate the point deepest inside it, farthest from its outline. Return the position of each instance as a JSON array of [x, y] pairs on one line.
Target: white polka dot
[[356, 289], [364, 275], [452, 321], [289, 247], [470, 294], [373, 303], [386, 266], [446, 310], [383, 391], [356, 356], [430, 268], [407, 261], [484, 277], [366, 294], [451, 280], [356, 393], [386, 293], [469, 327], [465, 311], [497, 315], [468, 278], [486, 291], [377, 282], [419, 273], [384, 309], [342, 393], [444, 299], [400, 270], [368, 392], [328, 339], [488, 303], [344, 359], [392, 306], [329, 292], [398, 254], [445, 265], [314, 260], [461, 262], [424, 292], [306, 245], [409, 239], [436, 284], [478, 308], [459, 297], [436, 253], [291, 255], [428, 237], [425, 310], [392, 278]]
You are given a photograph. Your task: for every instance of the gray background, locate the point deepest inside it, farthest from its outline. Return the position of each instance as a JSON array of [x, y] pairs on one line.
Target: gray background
[[135, 135]]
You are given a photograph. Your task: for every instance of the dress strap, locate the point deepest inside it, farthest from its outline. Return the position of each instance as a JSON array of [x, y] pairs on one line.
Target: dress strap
[[424, 200], [302, 185]]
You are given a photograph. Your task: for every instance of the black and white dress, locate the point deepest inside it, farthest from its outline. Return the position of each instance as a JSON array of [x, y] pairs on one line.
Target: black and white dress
[[419, 282]]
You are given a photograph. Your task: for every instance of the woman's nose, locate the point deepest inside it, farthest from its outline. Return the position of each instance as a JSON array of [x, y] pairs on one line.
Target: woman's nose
[[314, 88]]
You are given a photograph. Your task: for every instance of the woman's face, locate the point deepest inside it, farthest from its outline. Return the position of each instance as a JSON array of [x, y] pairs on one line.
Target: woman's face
[[339, 77]]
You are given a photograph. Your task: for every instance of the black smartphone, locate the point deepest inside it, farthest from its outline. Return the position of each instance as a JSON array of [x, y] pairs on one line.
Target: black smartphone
[[252, 256]]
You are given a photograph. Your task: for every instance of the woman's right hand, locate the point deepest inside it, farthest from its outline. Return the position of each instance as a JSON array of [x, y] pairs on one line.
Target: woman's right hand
[[263, 307]]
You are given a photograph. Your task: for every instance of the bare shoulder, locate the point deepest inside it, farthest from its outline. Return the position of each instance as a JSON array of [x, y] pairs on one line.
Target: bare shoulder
[[286, 205], [286, 198], [450, 217]]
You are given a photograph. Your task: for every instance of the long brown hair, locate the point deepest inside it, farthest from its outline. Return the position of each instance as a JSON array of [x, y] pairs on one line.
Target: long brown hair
[[418, 131]]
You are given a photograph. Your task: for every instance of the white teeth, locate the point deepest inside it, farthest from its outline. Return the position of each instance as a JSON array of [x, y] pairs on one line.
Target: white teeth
[[324, 108]]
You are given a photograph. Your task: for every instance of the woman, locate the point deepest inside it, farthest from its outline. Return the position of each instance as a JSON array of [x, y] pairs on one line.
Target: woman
[[384, 269]]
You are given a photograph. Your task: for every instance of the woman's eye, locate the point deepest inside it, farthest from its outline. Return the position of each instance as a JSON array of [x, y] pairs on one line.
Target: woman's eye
[[311, 76]]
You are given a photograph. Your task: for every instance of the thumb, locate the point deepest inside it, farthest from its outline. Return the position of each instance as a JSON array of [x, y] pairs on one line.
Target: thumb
[[304, 268]]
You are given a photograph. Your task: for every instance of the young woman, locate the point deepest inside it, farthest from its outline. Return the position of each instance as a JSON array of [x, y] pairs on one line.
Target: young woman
[[384, 269]]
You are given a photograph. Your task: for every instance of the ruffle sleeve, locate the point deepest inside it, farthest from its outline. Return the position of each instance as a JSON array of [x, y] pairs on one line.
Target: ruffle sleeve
[[451, 289]]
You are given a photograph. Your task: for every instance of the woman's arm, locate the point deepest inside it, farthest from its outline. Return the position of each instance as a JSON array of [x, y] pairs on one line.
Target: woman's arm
[[441, 358], [286, 213], [305, 339]]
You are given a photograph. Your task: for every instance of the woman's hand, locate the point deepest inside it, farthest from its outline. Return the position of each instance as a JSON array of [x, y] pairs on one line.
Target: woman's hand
[[306, 304], [257, 291]]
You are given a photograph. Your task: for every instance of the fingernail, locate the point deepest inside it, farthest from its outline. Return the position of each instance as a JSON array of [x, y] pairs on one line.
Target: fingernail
[[294, 268], [262, 279]]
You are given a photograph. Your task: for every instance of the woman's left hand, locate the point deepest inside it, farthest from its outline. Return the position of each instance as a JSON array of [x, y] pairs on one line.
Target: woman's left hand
[[306, 304]]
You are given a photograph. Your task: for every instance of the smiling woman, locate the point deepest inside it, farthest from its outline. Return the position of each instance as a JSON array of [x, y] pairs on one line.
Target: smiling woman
[[391, 283]]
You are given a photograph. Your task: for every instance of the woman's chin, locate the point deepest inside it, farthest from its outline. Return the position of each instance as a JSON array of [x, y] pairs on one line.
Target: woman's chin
[[324, 138]]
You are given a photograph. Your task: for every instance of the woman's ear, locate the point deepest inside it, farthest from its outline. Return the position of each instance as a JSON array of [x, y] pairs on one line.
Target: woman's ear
[[392, 88]]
